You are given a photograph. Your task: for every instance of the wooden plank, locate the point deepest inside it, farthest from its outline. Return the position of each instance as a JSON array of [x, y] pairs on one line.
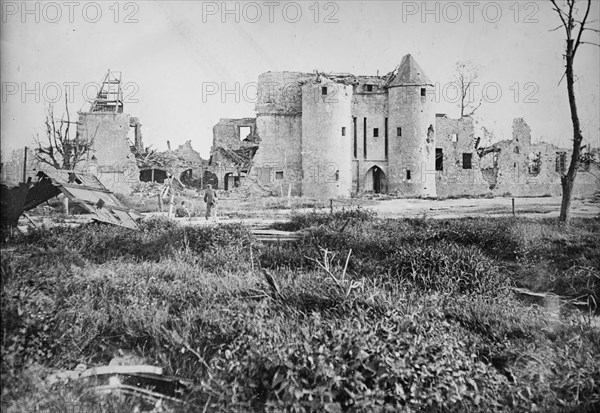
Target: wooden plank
[[104, 370]]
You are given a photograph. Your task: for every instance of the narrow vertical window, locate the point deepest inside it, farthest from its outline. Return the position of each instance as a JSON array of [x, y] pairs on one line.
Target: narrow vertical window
[[355, 137], [386, 138], [408, 175], [467, 160], [439, 159], [376, 132], [324, 90], [398, 131], [343, 131], [365, 138]]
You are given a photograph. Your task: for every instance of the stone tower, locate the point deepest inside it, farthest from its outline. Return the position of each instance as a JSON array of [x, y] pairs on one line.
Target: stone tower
[[326, 138], [411, 131], [278, 161]]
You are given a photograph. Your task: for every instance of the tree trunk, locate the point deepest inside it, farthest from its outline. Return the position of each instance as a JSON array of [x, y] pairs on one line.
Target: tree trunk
[[568, 180]]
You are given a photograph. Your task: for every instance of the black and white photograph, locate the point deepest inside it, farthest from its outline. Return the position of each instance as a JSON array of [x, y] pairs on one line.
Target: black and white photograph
[[300, 206]]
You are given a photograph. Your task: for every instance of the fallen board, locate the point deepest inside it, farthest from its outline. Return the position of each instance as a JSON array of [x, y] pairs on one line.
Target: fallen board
[[273, 235]]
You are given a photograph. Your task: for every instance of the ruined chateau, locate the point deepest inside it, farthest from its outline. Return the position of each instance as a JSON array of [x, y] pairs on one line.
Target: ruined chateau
[[335, 135]]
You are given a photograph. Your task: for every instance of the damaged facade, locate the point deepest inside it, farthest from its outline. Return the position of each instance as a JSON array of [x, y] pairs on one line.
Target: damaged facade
[[232, 152], [517, 167], [110, 158], [118, 157], [333, 135], [184, 163]]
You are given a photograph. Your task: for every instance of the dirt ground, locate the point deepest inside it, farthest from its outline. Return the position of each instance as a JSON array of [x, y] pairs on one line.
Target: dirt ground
[[401, 208], [457, 208]]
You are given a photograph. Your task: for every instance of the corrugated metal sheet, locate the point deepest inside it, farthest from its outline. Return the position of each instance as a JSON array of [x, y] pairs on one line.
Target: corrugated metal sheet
[[85, 190]]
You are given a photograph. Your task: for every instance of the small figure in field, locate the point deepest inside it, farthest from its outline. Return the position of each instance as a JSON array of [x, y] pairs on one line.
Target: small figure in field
[[210, 197], [182, 211]]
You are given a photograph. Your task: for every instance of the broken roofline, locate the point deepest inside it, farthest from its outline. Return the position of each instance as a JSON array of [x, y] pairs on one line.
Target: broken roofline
[[407, 73], [83, 189]]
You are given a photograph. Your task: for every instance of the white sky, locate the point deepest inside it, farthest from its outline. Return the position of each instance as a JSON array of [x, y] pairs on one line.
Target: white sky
[[177, 48]]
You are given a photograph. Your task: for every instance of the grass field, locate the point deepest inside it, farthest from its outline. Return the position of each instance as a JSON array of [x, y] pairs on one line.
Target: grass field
[[363, 314]]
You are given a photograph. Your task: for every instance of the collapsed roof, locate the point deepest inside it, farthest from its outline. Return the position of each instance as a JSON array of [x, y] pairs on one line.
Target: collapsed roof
[[241, 157], [85, 190]]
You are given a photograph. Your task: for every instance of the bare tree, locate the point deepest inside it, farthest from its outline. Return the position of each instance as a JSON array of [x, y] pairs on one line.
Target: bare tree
[[61, 150], [573, 29], [466, 75]]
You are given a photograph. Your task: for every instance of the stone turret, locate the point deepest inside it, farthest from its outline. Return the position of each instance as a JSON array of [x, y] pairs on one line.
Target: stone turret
[[412, 131], [326, 138]]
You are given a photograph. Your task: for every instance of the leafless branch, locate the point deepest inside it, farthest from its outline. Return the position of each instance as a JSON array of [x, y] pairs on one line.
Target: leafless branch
[[587, 12]]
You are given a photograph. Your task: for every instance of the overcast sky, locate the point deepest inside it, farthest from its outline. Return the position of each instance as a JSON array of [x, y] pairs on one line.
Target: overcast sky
[[174, 54]]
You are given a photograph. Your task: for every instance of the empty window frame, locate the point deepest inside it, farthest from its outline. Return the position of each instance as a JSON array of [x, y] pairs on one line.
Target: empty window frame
[[408, 174], [467, 160], [244, 132], [343, 131], [368, 88], [439, 159], [324, 90], [376, 132], [534, 163], [561, 162], [398, 131], [279, 175]]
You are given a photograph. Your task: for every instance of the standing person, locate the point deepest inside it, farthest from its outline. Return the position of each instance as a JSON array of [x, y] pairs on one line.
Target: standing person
[[210, 197]]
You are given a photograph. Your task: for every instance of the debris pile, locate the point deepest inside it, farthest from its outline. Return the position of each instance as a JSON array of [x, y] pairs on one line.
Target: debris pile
[[128, 375], [80, 188]]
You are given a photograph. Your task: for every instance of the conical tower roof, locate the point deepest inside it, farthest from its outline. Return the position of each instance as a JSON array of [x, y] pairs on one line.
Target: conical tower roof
[[409, 73]]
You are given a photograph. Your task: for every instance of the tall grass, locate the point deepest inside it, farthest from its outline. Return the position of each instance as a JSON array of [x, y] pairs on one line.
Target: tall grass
[[421, 319]]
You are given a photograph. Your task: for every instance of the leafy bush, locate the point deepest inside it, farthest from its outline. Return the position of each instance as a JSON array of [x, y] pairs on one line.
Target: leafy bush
[[428, 325]]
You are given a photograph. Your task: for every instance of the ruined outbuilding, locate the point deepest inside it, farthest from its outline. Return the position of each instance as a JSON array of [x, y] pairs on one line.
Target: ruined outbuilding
[[184, 163], [327, 135], [516, 167], [80, 188], [110, 158]]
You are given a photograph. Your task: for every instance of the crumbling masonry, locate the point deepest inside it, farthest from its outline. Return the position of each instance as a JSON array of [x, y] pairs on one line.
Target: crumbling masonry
[[334, 135]]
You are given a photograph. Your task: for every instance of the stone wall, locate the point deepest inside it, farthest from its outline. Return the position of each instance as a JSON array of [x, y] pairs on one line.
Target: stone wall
[[277, 166], [455, 137], [515, 167], [226, 133], [326, 144], [369, 108], [110, 159], [414, 151], [316, 145]]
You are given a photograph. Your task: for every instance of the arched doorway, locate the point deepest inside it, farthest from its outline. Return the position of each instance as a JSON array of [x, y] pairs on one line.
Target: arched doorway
[[375, 180], [153, 175], [210, 178], [232, 180]]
